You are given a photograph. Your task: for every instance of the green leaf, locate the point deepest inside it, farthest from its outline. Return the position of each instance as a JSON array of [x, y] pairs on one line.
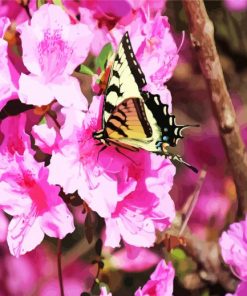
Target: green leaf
[[102, 58], [178, 254], [39, 3], [42, 121], [85, 70], [58, 2]]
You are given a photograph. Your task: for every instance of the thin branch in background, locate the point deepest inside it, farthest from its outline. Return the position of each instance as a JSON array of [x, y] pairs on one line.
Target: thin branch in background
[[59, 266], [202, 39], [192, 200]]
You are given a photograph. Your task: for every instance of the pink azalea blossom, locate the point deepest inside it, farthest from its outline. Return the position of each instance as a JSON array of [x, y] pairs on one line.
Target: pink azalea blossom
[[233, 243], [147, 208], [241, 290], [7, 86], [52, 49], [160, 283], [100, 177], [35, 205]]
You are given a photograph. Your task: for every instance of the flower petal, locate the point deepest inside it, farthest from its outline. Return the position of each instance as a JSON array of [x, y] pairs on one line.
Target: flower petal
[[24, 234], [58, 222]]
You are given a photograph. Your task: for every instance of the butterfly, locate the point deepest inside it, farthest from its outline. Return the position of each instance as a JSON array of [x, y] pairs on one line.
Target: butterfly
[[132, 118]]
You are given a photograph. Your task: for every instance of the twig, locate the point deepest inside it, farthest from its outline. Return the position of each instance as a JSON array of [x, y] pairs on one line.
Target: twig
[[202, 38], [59, 266], [193, 200]]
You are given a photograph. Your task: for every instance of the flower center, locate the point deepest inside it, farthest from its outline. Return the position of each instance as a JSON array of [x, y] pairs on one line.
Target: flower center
[[54, 53]]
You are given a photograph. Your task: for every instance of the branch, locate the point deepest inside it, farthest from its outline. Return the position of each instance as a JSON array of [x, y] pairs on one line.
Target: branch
[[202, 39]]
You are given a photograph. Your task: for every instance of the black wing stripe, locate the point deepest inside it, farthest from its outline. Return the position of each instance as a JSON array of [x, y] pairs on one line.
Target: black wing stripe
[[111, 126], [142, 117], [133, 63]]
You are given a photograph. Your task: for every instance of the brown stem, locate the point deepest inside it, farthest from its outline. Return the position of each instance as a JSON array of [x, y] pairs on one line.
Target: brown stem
[[202, 39], [59, 266]]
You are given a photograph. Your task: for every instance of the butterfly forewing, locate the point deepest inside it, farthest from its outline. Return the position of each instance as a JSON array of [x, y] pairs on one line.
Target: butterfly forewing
[[126, 78], [128, 120]]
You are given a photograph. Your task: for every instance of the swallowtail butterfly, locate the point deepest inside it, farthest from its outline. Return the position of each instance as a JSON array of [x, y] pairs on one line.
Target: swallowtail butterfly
[[132, 118]]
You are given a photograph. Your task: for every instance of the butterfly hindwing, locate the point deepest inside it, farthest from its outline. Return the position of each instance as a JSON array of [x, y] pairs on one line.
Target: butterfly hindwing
[[126, 78]]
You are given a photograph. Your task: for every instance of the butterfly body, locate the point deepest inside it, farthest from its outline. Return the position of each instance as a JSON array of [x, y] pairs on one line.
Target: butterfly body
[[132, 118]]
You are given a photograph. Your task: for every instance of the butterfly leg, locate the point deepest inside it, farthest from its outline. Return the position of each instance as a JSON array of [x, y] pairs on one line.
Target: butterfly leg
[[175, 157]]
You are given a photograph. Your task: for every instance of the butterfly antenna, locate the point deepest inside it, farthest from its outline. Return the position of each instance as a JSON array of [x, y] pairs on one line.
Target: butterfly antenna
[[192, 200]]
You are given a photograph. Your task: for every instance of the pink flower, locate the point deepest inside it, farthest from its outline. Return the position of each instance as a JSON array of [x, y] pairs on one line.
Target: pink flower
[[100, 177], [233, 5], [160, 283], [145, 209], [241, 290], [52, 49], [233, 243], [35, 205], [7, 87]]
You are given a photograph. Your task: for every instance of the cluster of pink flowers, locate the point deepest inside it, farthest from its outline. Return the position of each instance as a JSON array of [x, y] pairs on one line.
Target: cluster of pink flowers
[[130, 192], [233, 243]]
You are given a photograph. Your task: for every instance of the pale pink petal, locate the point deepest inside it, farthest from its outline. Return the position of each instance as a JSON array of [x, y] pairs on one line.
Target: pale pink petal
[[57, 222], [30, 40], [112, 233], [76, 36], [64, 170], [33, 91], [160, 283], [51, 16], [73, 119], [137, 233], [68, 92], [24, 235], [45, 137]]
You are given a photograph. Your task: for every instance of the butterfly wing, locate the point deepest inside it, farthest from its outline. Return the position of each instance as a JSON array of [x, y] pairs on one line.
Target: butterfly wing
[[126, 78], [129, 121]]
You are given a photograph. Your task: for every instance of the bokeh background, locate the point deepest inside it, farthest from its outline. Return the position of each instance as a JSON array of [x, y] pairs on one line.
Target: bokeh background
[[36, 272]]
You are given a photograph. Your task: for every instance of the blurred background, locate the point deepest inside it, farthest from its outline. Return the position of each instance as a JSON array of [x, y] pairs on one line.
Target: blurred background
[[36, 272]]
